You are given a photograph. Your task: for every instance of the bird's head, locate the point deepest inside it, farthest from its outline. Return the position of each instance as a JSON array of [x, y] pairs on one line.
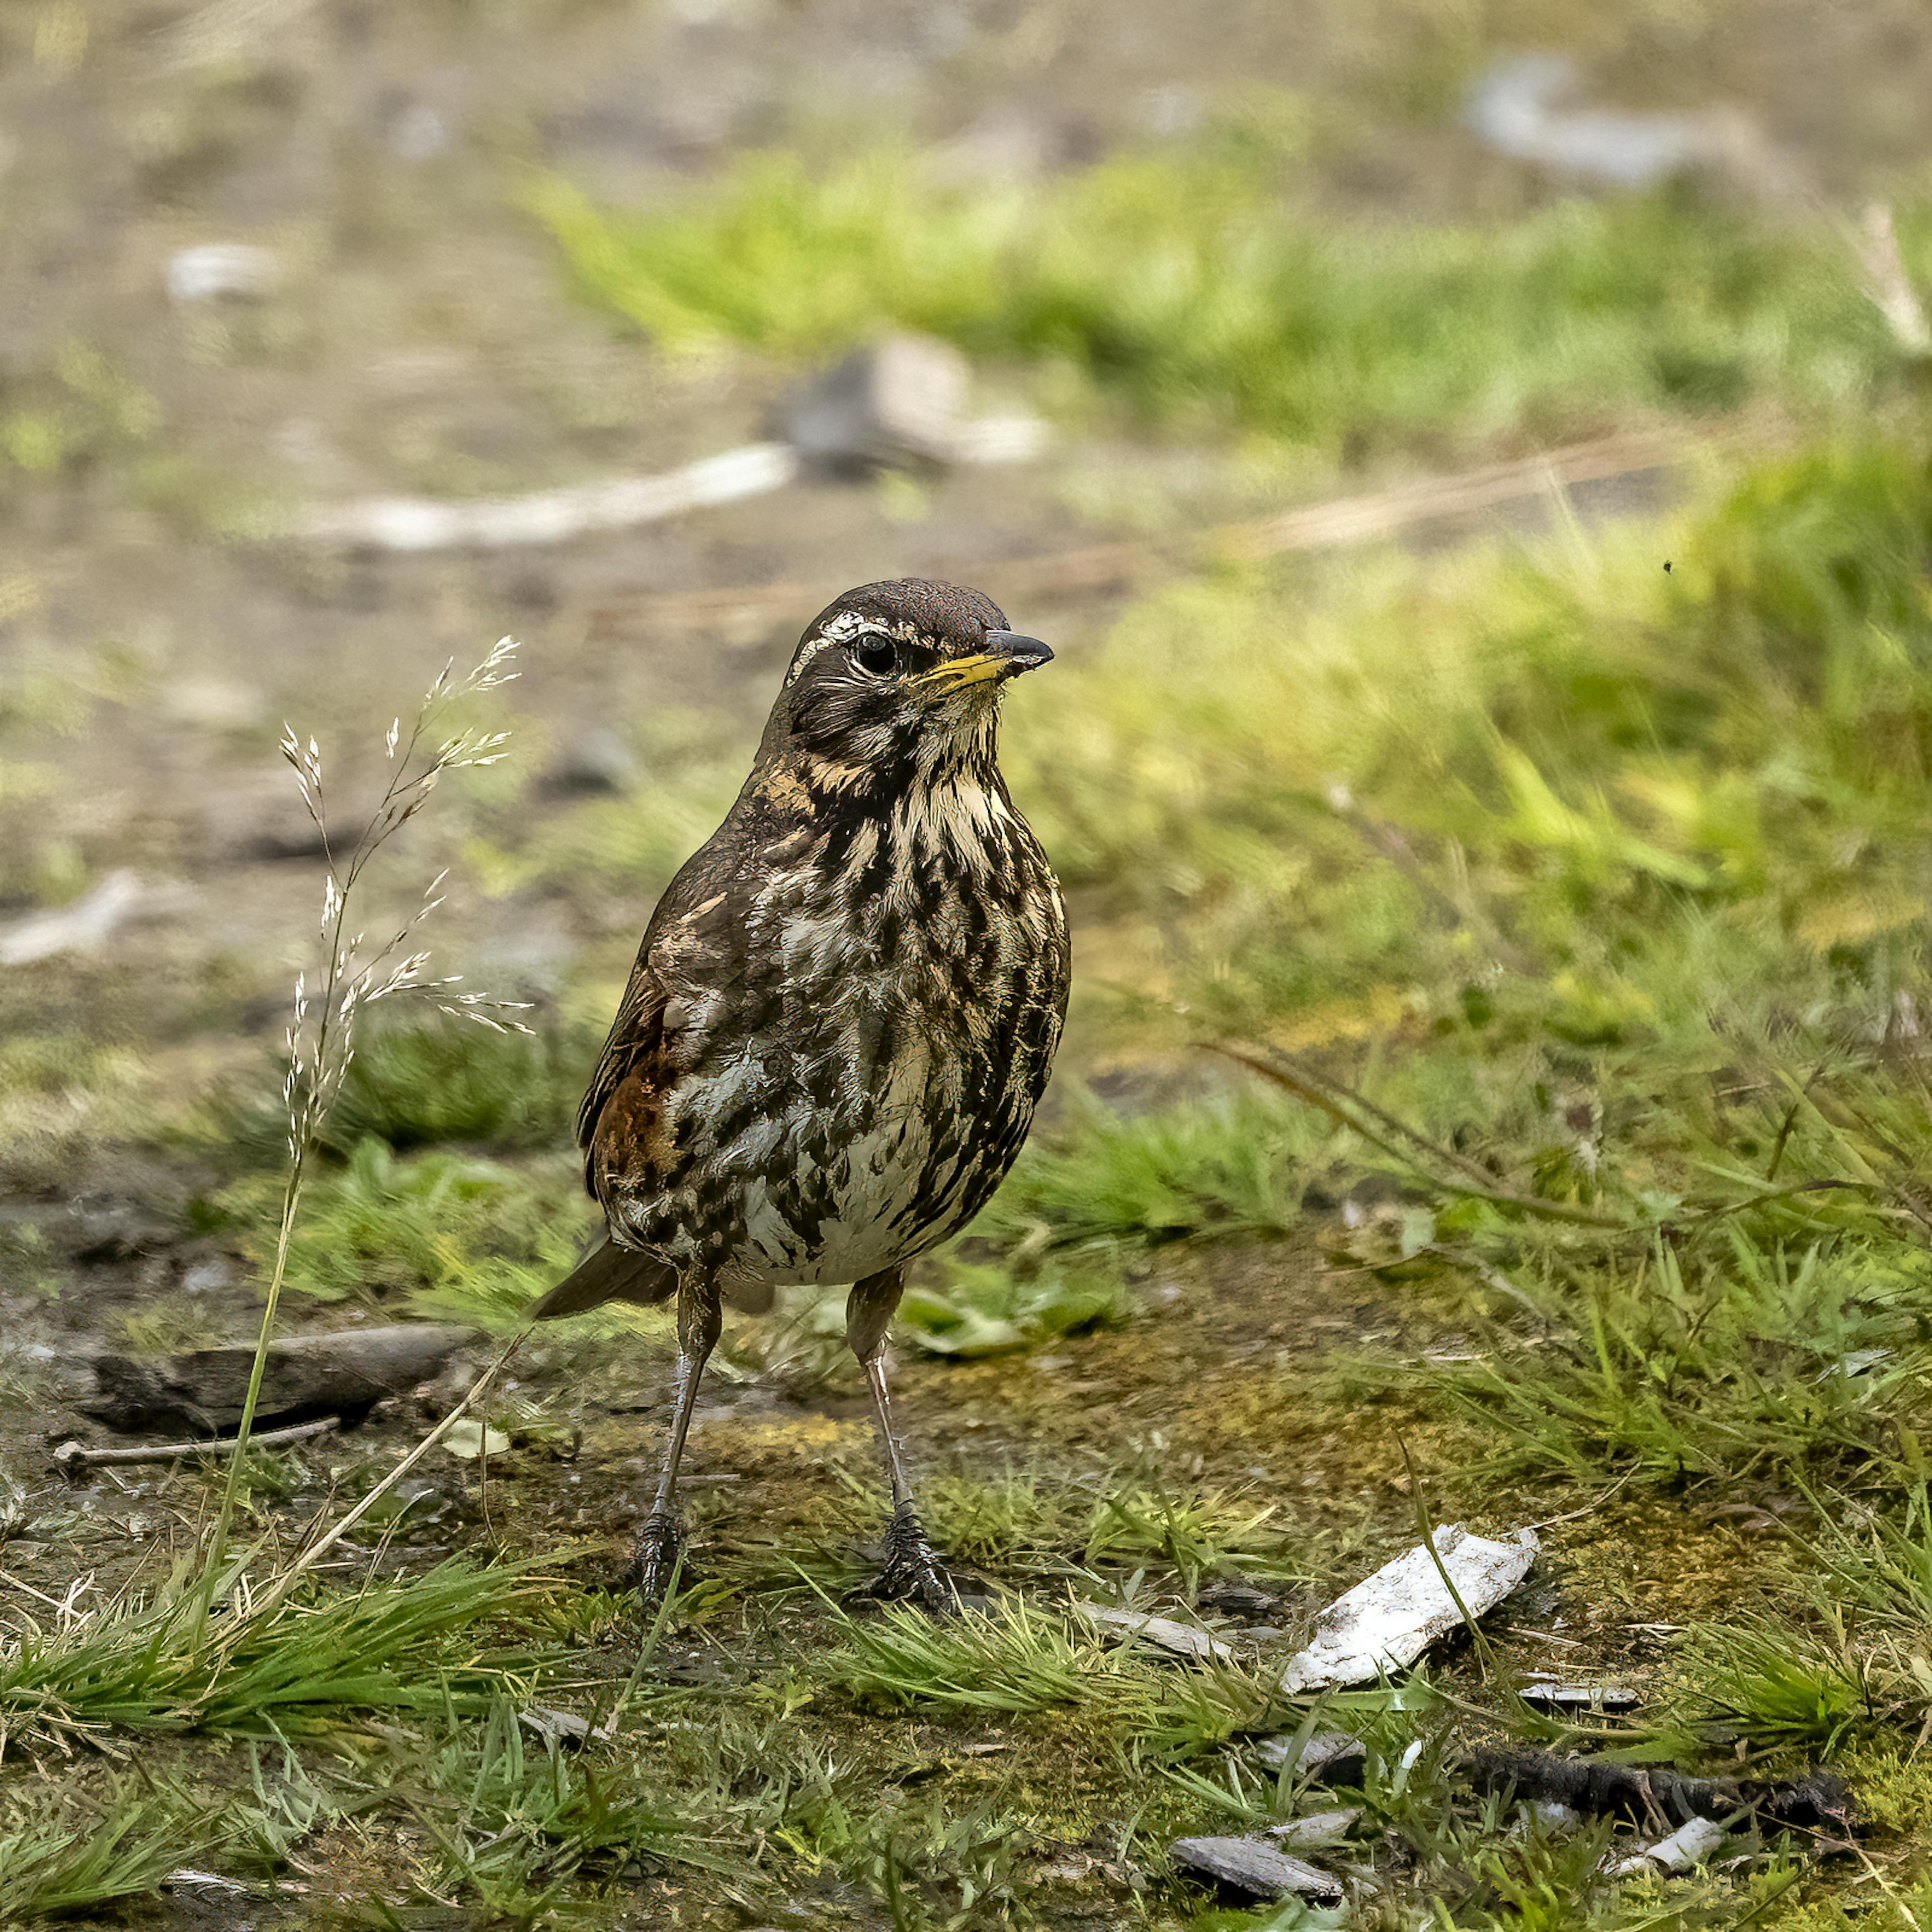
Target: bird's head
[[894, 683]]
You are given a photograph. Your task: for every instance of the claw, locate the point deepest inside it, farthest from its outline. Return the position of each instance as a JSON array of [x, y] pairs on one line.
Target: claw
[[654, 1561], [911, 1572]]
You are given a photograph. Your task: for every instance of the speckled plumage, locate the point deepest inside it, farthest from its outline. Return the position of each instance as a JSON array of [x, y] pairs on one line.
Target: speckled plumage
[[845, 1007]]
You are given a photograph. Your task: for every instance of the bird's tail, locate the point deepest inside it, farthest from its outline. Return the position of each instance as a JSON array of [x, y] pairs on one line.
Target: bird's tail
[[608, 1273]]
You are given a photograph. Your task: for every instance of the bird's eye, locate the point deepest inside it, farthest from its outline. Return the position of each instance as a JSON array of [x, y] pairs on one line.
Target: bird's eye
[[875, 656]]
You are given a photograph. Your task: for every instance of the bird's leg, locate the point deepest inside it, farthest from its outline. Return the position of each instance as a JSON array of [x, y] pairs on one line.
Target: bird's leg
[[911, 1569], [700, 1317]]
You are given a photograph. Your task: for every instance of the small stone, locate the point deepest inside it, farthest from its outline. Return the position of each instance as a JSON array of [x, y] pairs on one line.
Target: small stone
[[892, 403], [1328, 1757]]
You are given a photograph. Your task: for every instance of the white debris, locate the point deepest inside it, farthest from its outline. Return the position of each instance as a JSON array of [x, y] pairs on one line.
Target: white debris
[[554, 1726], [78, 928], [896, 401], [1183, 1639], [1689, 1845], [552, 516], [1388, 1620], [469, 1439], [1569, 1695], [1517, 107], [233, 270], [1319, 1828], [209, 1881]]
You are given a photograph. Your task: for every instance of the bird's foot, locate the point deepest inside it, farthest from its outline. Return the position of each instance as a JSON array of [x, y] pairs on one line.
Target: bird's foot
[[657, 1559], [911, 1573]]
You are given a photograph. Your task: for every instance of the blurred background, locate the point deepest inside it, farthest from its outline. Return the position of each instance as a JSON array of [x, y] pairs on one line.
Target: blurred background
[[1334, 386]]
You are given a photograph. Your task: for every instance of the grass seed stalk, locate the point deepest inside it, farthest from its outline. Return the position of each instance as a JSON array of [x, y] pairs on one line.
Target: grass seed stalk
[[355, 976]]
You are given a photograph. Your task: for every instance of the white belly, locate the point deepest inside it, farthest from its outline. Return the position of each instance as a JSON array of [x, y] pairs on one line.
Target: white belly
[[873, 1186]]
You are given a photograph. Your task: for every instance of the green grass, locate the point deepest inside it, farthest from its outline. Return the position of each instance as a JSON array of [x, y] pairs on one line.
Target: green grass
[[1836, 1652], [76, 1860], [1194, 281], [997, 1309], [449, 1233], [1027, 1522], [1733, 1363], [518, 1824], [1553, 791], [1233, 1165], [451, 1639], [1581, 908], [423, 1081], [1019, 1660]]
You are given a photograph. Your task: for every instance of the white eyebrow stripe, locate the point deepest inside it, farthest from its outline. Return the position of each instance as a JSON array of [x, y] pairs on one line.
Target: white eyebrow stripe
[[851, 624]]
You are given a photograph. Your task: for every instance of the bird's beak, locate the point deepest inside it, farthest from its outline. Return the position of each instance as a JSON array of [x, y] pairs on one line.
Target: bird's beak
[[1006, 655]]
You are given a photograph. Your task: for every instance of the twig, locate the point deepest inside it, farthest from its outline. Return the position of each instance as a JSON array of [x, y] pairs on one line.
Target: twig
[[1485, 1657], [14, 1583], [1589, 1508], [1306, 1088], [552, 516], [70, 1454], [1655, 1794], [1384, 512], [1097, 568], [278, 1591]]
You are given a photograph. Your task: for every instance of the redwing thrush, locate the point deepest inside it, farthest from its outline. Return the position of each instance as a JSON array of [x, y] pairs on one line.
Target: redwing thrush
[[841, 1017]]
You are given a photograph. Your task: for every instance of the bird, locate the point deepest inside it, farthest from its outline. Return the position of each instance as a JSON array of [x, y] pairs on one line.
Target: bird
[[841, 1019]]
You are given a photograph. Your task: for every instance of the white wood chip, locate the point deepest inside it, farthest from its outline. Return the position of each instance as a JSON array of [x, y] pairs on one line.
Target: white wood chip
[[1181, 1640], [1388, 1620], [1689, 1845]]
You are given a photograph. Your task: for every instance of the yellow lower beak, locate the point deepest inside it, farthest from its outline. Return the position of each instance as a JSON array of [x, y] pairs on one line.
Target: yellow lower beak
[[1010, 655], [956, 673]]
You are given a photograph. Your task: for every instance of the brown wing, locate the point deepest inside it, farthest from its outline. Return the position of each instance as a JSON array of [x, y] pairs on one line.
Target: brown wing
[[637, 1033], [690, 957]]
